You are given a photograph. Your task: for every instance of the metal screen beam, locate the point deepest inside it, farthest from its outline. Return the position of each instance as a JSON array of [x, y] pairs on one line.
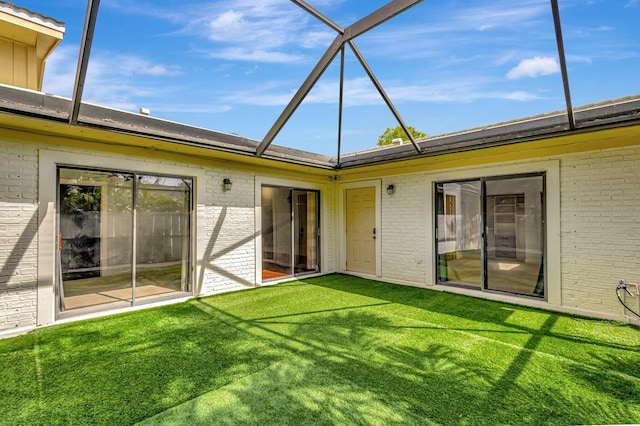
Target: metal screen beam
[[319, 15], [376, 18], [381, 15], [83, 58], [386, 98], [302, 92], [340, 99], [563, 62]]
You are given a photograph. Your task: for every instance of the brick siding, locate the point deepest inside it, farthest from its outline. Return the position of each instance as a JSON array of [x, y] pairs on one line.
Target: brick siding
[[18, 235], [600, 227]]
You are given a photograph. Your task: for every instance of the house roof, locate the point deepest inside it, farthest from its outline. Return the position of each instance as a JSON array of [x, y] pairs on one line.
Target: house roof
[[26, 103], [29, 103], [613, 113], [33, 17]]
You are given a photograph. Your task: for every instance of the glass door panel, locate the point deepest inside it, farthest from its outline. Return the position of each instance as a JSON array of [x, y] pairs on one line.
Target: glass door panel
[[162, 237], [515, 235], [95, 238], [290, 239], [277, 238], [305, 231], [459, 233]]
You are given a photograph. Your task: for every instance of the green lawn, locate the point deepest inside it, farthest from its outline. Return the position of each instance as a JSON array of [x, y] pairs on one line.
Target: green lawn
[[330, 350]]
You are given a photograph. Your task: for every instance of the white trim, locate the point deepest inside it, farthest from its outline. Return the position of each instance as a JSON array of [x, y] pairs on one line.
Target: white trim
[[341, 223], [49, 159], [324, 218], [551, 169]]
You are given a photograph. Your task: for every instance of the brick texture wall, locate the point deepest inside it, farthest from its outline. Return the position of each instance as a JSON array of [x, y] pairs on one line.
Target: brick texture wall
[[226, 233], [600, 227], [18, 235], [404, 219]]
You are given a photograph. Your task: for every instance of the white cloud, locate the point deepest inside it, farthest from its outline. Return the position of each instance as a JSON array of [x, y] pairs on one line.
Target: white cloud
[[580, 58], [131, 64], [534, 67], [502, 14], [188, 108], [361, 91], [271, 31], [265, 31], [60, 71], [255, 55], [456, 31], [111, 80]]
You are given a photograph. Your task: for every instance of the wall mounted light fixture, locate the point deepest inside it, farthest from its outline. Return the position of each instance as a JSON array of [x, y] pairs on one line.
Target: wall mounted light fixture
[[391, 189], [227, 184]]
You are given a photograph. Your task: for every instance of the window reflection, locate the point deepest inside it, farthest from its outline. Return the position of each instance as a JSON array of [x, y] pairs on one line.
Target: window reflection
[[515, 235], [459, 234], [510, 214], [290, 222], [103, 216]]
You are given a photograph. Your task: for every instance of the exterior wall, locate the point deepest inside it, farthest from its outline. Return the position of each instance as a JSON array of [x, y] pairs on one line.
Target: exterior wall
[[225, 232], [18, 65], [18, 235], [405, 219], [592, 225], [600, 227], [593, 231]]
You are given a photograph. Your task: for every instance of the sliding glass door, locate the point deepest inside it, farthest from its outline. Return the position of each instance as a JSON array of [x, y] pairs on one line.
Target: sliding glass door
[[123, 238], [290, 237], [515, 235], [459, 233], [490, 234]]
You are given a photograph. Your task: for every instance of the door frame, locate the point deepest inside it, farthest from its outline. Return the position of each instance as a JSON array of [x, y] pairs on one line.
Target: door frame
[[48, 162], [551, 169], [342, 223], [324, 218]]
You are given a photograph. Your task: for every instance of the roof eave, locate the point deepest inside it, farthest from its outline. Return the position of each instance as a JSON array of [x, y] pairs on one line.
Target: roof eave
[[622, 112]]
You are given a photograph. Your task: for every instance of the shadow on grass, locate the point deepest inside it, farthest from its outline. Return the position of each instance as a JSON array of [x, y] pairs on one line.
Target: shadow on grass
[[433, 378], [494, 319], [330, 350], [122, 369]]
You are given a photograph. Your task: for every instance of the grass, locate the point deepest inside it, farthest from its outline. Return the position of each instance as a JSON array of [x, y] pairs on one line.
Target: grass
[[329, 350]]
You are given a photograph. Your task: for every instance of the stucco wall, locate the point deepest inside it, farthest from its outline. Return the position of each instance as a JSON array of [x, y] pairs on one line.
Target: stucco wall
[[18, 235]]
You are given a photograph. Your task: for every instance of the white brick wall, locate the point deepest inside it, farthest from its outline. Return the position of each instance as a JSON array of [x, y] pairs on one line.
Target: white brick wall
[[600, 227], [18, 235], [600, 224], [225, 223], [404, 219], [328, 223], [226, 233]]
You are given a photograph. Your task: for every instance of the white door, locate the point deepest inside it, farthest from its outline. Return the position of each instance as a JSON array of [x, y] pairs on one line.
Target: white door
[[360, 230]]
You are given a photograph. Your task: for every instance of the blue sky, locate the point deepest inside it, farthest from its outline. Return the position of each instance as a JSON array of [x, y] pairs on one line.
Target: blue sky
[[447, 65]]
